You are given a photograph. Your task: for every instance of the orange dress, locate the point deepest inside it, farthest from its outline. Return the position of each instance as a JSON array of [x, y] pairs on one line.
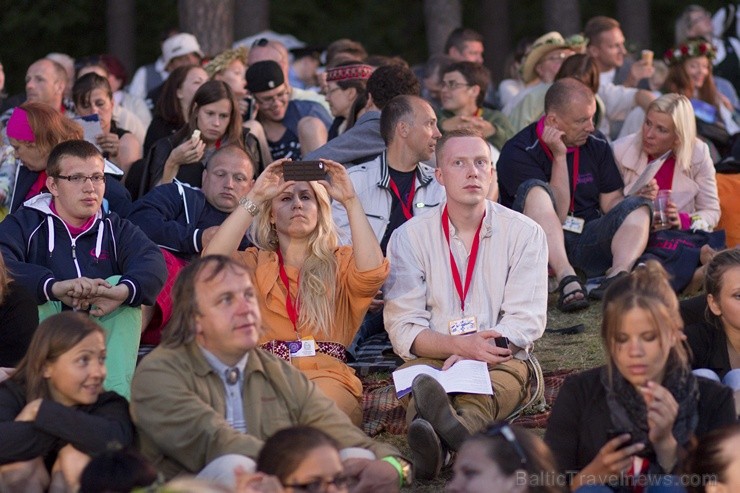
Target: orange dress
[[354, 292]]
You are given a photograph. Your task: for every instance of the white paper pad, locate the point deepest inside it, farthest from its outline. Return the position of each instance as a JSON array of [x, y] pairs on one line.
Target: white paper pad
[[466, 376], [649, 173], [91, 126]]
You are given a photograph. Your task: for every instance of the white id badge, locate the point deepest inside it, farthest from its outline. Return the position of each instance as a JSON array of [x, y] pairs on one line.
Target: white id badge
[[463, 326], [574, 224], [304, 347]]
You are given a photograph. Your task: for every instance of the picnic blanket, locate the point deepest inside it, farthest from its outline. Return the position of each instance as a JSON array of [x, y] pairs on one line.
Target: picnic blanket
[[382, 411]]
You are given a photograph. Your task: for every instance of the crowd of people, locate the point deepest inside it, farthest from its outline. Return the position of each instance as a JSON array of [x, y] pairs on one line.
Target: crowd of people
[[191, 264]]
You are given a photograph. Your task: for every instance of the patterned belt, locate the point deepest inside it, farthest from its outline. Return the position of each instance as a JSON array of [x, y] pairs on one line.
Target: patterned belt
[[281, 350]]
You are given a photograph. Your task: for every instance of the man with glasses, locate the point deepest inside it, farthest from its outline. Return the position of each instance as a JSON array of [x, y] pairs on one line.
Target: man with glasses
[[73, 255], [293, 128], [463, 89], [468, 281]]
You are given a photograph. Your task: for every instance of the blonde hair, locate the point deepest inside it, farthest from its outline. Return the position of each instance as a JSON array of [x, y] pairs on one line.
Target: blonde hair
[[647, 288], [678, 107], [318, 277]]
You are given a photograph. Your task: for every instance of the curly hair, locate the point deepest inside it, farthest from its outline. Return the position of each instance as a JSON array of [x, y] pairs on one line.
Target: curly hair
[[390, 81]]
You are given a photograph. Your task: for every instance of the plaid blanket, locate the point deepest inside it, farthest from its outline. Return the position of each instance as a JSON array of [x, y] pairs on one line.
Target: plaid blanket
[[382, 411]]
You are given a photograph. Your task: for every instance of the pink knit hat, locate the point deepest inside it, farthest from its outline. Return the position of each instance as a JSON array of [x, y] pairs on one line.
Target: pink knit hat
[[18, 127]]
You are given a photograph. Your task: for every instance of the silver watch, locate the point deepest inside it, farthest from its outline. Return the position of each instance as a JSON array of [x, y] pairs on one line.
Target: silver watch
[[249, 206]]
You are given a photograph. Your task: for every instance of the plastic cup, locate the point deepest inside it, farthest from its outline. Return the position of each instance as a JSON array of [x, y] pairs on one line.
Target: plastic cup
[[647, 56], [660, 216]]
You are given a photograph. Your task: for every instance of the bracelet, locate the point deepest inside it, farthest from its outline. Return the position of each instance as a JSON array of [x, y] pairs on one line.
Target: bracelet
[[402, 467], [249, 206]]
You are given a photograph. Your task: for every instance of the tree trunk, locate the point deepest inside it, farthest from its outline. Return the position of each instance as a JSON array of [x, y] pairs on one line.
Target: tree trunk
[[206, 20], [634, 16], [441, 17], [120, 26], [250, 17], [563, 16], [494, 26]]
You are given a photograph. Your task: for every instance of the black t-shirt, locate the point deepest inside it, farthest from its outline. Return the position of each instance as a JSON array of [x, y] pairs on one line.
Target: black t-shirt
[[404, 180], [287, 147]]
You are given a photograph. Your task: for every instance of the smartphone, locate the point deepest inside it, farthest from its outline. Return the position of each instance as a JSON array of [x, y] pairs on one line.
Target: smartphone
[[250, 108], [614, 433], [502, 342], [304, 171]]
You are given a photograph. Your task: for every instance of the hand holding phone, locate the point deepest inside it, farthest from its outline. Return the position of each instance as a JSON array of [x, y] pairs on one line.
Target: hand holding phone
[[304, 171]]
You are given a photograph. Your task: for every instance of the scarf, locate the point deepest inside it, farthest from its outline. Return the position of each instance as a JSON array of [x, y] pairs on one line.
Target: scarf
[[628, 411]]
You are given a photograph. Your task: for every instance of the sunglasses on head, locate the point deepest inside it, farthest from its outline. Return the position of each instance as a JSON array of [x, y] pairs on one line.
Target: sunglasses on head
[[505, 431]]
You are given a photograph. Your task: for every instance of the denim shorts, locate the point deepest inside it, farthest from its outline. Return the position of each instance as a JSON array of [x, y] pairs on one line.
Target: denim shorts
[[591, 250]]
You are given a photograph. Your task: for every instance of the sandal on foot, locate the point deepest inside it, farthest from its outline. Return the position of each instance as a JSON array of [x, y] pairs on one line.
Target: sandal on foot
[[597, 293], [575, 303]]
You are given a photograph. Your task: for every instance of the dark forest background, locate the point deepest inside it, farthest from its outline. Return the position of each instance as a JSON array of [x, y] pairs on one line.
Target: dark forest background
[[130, 29]]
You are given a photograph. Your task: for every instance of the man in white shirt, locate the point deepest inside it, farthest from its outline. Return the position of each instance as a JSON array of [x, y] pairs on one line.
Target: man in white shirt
[[464, 277]]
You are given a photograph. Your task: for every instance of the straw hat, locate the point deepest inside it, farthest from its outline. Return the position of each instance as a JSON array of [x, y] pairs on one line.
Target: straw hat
[[542, 46]]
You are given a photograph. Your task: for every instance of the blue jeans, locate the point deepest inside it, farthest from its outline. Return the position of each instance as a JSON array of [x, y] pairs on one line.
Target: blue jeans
[[590, 251]]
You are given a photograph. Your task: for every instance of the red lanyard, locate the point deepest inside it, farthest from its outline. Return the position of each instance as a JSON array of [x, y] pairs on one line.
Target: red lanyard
[[405, 207], [576, 162], [462, 293], [290, 307]]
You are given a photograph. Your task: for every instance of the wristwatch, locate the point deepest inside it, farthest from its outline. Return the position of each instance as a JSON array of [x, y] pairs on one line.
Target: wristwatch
[[249, 206]]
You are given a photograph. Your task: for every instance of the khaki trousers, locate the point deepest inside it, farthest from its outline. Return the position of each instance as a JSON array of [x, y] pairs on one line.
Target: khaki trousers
[[511, 388]]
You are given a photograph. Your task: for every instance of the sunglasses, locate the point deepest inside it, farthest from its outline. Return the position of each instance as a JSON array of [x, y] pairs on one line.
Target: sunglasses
[[505, 431]]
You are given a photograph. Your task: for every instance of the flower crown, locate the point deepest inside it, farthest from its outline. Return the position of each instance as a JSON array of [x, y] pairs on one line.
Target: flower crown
[[691, 48]]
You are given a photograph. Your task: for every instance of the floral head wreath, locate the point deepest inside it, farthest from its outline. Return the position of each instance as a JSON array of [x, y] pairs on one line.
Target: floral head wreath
[[222, 61], [691, 48]]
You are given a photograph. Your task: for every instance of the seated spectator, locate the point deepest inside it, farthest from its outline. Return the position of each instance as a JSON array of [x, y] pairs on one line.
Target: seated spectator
[[173, 107], [645, 403], [562, 174], [117, 471], [117, 78], [499, 457], [34, 130], [298, 258], [714, 344], [346, 93], [304, 459], [181, 220], [93, 96], [541, 63], [46, 82], [19, 317], [304, 68], [465, 44], [687, 173], [513, 84], [190, 415], [532, 105], [714, 463], [292, 127], [620, 95], [124, 117], [363, 141], [463, 89], [690, 74], [427, 308], [696, 22], [431, 83], [214, 114], [63, 247], [177, 50], [54, 413], [395, 186], [230, 66]]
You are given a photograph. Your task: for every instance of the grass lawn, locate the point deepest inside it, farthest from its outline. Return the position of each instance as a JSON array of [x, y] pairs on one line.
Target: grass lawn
[[554, 351]]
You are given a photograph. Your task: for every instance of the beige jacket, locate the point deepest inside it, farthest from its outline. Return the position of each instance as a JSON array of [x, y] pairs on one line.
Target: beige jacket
[[693, 191], [178, 406]]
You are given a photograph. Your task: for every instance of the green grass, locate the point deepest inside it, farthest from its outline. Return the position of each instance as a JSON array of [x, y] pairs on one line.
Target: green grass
[[554, 351]]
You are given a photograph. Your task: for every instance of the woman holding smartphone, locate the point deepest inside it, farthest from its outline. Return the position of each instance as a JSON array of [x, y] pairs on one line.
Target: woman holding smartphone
[[636, 415], [313, 294]]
